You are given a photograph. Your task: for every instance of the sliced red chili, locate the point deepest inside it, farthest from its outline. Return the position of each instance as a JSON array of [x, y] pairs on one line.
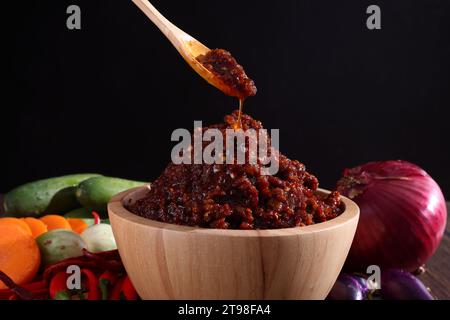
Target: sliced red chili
[[117, 290], [96, 217], [91, 285], [124, 290], [58, 287], [97, 262], [128, 289]]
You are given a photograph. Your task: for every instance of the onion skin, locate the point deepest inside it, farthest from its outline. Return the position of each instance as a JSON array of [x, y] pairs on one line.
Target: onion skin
[[403, 215], [347, 287], [398, 284]]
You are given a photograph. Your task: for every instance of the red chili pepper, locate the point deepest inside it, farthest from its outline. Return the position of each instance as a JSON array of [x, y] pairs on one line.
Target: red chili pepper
[[59, 290], [35, 286], [58, 287], [96, 217], [124, 290], [117, 290], [128, 289], [106, 282], [97, 262], [91, 285]]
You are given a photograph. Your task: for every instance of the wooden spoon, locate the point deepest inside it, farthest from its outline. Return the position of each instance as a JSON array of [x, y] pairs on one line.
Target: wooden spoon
[[187, 46]]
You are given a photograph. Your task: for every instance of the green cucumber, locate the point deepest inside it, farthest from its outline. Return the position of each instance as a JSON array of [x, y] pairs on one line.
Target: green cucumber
[[96, 192], [54, 195]]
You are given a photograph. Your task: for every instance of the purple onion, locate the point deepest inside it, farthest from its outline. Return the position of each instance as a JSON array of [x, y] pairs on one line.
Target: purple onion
[[403, 215]]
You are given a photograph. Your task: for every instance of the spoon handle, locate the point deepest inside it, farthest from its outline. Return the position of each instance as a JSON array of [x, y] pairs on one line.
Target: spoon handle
[[188, 47], [175, 35]]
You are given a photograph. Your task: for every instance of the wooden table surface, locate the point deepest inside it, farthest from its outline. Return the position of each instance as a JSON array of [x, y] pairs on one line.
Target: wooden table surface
[[437, 275]]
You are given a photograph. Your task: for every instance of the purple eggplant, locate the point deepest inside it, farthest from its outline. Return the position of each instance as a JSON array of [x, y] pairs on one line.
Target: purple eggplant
[[398, 284], [348, 287], [363, 283]]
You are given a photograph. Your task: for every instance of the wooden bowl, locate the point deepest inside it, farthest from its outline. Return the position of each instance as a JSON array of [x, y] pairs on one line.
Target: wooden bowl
[[167, 261]]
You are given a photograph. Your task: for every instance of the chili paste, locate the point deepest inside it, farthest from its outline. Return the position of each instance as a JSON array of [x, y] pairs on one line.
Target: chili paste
[[222, 64], [237, 196]]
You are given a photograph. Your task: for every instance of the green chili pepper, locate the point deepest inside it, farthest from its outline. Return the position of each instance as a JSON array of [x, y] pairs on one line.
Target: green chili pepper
[[106, 282]]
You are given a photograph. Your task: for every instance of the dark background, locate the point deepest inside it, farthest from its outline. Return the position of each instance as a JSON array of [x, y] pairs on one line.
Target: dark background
[[106, 98]]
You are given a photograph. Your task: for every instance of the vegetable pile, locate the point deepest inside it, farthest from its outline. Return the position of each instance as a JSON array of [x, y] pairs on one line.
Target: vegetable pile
[[103, 277], [37, 245], [51, 245]]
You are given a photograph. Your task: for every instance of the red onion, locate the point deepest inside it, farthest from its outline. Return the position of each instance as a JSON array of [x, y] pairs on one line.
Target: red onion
[[403, 215]]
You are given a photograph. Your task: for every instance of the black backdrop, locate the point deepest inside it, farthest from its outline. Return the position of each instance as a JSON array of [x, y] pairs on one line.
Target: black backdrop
[[107, 97]]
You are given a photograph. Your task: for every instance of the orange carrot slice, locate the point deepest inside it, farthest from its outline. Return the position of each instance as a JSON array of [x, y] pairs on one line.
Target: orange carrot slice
[[17, 222], [78, 225], [19, 254], [37, 226], [54, 221]]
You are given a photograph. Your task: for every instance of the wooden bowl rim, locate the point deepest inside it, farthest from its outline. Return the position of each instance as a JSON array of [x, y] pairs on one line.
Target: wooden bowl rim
[[116, 207]]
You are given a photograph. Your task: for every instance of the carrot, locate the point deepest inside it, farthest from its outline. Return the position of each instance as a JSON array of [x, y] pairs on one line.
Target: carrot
[[17, 222], [54, 221], [19, 254], [37, 226], [78, 225]]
